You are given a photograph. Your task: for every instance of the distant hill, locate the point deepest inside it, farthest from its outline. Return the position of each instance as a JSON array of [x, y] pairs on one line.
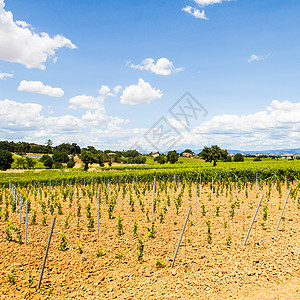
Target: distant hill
[[265, 152]]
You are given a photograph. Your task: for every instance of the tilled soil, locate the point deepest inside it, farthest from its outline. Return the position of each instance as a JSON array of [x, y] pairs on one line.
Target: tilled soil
[[267, 267]]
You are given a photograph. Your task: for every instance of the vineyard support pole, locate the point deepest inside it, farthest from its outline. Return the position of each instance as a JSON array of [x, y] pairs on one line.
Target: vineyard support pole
[[187, 217], [184, 189], [283, 209], [285, 184], [212, 187], [98, 211], [117, 195], [235, 182], [256, 180], [26, 220], [16, 198], [153, 200], [46, 253], [196, 199], [253, 220], [200, 187], [73, 201], [20, 219]]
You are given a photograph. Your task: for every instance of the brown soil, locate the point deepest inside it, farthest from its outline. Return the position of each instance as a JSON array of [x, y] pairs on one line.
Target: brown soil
[[266, 268]]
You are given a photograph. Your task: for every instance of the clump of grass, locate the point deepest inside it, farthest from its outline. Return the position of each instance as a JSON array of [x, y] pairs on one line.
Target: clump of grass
[[228, 240], [135, 227], [140, 249], [79, 247], [217, 210], [209, 234], [33, 220], [119, 255], [159, 263], [120, 226], [63, 242], [100, 253], [151, 230], [11, 278], [30, 280]]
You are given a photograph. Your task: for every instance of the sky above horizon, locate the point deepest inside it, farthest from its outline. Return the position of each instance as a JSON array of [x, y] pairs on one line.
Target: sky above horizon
[[115, 74]]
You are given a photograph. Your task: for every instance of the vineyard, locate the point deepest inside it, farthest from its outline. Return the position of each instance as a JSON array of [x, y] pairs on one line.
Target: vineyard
[[116, 233]]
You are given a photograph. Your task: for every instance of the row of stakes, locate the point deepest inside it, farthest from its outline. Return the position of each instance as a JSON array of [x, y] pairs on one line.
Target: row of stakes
[[12, 188]]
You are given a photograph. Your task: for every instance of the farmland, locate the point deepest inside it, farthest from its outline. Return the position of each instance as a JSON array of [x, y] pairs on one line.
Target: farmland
[[129, 251]]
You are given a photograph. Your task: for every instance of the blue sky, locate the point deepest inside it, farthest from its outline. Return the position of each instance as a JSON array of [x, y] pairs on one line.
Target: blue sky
[[104, 72]]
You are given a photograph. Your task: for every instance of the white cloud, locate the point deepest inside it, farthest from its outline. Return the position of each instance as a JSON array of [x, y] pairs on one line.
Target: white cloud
[[176, 123], [18, 43], [6, 75], [208, 2], [195, 12], [28, 121], [86, 102], [117, 89], [104, 90], [253, 57], [38, 87], [163, 66], [276, 127], [19, 116], [140, 93], [258, 58]]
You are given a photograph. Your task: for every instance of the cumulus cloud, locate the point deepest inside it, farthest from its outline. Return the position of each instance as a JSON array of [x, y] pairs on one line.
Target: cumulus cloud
[[6, 75], [275, 127], [163, 66], [140, 93], [19, 44], [19, 116], [195, 12], [29, 121], [38, 87], [104, 90]]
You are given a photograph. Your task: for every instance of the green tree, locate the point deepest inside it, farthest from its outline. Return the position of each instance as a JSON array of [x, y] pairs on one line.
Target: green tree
[[172, 157], [29, 163], [160, 159], [71, 162], [238, 158], [61, 157], [48, 162], [87, 158], [213, 154], [6, 160]]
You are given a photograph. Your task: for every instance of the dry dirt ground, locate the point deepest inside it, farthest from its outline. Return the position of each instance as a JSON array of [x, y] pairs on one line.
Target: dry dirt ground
[[268, 267]]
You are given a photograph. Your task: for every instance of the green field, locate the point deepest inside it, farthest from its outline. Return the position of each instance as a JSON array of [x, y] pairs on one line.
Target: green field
[[185, 168]]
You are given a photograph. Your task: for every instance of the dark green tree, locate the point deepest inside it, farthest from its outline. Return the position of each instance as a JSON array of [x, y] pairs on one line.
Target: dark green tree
[[172, 157], [48, 162], [87, 158], [61, 157], [160, 159], [213, 154], [71, 162], [6, 160], [238, 158]]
